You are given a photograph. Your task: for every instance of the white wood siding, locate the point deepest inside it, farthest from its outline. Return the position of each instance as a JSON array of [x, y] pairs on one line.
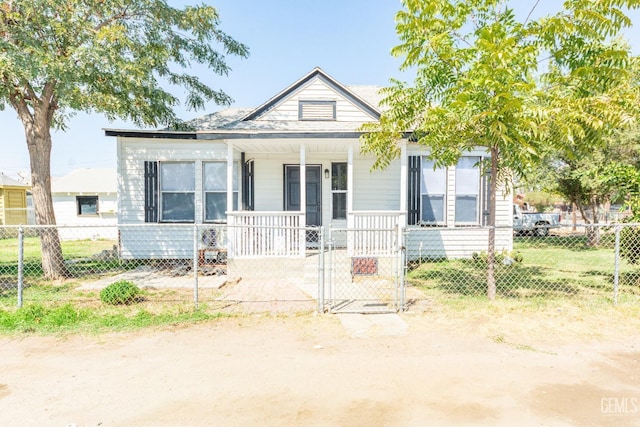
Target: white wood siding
[[375, 190], [154, 241], [459, 242], [79, 227], [133, 152], [317, 90]]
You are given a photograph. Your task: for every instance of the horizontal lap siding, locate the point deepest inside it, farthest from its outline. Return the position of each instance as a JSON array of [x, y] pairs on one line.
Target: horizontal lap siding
[[156, 241], [316, 90], [504, 209], [79, 227], [134, 152], [375, 190], [454, 242], [269, 180]]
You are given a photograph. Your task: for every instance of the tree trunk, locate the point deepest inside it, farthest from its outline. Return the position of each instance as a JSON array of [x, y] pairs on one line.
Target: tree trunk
[[491, 248], [38, 137], [593, 233]]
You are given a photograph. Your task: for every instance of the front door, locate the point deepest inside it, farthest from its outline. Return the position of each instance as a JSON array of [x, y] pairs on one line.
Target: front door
[[313, 209]]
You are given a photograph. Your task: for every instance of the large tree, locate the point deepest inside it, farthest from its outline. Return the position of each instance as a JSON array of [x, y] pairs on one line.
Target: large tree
[[115, 57], [478, 83]]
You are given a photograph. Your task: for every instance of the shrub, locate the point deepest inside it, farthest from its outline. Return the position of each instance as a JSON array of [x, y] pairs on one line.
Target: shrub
[[504, 257], [121, 292], [630, 244]]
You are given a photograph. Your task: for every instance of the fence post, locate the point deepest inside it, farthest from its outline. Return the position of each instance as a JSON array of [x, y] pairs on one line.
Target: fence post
[[20, 264], [616, 267], [321, 273], [195, 266], [402, 253]]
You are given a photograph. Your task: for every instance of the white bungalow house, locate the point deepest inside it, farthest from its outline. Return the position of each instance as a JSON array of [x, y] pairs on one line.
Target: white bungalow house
[[251, 168], [85, 203]]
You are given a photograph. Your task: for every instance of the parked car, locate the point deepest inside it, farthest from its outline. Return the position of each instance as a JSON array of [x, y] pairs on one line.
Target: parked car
[[537, 224]]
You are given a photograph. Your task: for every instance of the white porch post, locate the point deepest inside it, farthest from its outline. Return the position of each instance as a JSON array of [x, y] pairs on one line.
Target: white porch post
[[231, 231], [402, 220], [403, 183], [230, 178], [350, 218], [303, 199]]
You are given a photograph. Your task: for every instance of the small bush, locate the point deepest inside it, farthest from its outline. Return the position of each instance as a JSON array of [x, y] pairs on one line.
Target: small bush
[[121, 292], [630, 244], [504, 257]]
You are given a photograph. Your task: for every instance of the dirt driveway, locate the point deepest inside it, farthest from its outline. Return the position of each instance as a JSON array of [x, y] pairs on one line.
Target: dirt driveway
[[309, 370]]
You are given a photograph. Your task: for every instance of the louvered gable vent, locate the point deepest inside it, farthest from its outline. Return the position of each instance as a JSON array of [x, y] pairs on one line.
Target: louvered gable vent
[[316, 110]]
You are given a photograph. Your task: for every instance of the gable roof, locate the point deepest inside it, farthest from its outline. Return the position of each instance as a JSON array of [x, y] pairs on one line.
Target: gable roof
[[5, 181], [328, 80], [267, 119], [86, 180]]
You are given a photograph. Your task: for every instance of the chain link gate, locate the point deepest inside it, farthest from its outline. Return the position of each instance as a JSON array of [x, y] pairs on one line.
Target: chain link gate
[[361, 271]]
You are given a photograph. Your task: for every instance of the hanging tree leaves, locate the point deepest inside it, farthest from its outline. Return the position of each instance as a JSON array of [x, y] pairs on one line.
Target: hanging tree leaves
[[479, 83], [120, 58]]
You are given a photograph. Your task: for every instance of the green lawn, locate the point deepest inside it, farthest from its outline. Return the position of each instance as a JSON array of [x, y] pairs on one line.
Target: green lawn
[[80, 254], [550, 267]]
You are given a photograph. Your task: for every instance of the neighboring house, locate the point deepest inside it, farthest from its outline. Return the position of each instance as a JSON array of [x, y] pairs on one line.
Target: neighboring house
[[13, 201], [85, 204], [244, 167]]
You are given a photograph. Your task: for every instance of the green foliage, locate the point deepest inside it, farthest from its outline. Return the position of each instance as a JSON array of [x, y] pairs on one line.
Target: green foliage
[[38, 318], [541, 200], [118, 58], [478, 84], [34, 317], [113, 57], [630, 244], [625, 179], [504, 257], [120, 292]]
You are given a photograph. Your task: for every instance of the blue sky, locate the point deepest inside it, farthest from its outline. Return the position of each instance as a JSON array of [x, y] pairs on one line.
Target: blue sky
[[349, 39]]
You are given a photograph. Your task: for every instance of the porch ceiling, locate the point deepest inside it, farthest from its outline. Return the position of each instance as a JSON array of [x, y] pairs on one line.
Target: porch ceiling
[[282, 146]]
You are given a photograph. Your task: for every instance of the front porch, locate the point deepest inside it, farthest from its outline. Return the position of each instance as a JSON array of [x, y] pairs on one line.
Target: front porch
[[283, 235]]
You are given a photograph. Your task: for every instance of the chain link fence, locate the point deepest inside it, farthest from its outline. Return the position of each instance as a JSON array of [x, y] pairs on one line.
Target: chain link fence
[[278, 268], [583, 262], [363, 271]]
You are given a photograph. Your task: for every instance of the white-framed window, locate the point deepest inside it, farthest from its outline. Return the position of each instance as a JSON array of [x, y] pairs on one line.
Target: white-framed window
[[468, 190], [177, 191], [214, 177], [338, 190], [433, 190], [87, 205]]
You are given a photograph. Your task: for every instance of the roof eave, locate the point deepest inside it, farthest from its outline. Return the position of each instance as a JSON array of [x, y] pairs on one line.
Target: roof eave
[[162, 134]]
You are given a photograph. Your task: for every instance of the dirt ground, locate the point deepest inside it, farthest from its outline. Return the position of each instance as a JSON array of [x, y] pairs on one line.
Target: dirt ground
[[504, 369]]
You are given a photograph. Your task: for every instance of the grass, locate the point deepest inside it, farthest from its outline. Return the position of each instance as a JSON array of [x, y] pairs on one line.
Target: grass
[[71, 318], [81, 257], [557, 274], [551, 267]]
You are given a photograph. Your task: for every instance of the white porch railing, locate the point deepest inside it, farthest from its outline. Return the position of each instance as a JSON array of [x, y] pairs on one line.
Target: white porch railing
[[266, 234], [374, 233]]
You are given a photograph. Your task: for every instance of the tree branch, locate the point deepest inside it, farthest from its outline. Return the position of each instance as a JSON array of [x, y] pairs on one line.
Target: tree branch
[[531, 11]]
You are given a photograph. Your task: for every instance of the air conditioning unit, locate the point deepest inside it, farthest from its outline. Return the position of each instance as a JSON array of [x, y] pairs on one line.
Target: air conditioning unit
[[209, 238]]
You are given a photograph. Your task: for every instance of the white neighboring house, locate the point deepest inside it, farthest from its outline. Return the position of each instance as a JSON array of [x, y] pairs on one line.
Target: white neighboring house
[[253, 166], [85, 204]]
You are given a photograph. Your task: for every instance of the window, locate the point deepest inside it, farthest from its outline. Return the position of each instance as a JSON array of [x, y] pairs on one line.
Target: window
[[215, 190], [467, 190], [177, 191], [316, 110], [339, 190], [87, 205], [433, 188]]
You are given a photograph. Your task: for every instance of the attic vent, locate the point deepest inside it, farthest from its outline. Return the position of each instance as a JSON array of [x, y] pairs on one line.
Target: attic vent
[[316, 110]]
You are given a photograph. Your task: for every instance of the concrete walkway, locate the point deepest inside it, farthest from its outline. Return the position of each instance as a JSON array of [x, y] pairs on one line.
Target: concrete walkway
[[263, 295]]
